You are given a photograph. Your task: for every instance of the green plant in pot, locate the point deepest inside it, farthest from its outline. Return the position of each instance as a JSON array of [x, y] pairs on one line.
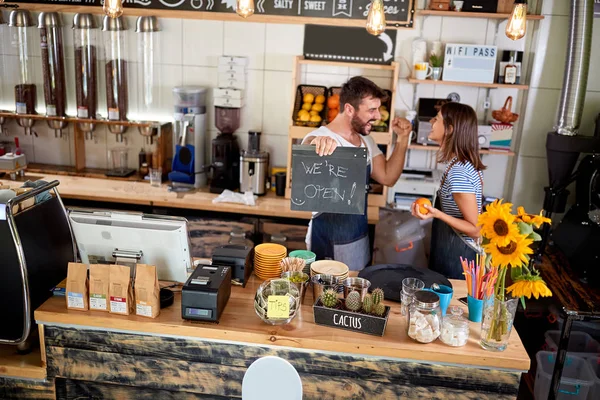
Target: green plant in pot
[[436, 62]]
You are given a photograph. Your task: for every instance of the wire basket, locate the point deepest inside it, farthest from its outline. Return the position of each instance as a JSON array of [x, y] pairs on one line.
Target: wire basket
[[301, 91], [388, 104]]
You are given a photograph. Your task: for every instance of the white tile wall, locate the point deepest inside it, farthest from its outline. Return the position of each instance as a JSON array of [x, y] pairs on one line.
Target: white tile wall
[[189, 56]]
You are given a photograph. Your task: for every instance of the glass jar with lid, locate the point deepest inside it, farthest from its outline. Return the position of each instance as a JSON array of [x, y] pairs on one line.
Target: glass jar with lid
[[237, 236], [424, 317], [455, 328]]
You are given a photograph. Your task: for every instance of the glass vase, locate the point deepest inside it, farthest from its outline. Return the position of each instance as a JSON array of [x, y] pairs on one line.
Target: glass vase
[[497, 323]]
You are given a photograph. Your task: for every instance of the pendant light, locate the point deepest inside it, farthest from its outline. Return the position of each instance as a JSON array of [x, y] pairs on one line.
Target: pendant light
[[517, 23], [376, 18], [113, 8], [244, 8]]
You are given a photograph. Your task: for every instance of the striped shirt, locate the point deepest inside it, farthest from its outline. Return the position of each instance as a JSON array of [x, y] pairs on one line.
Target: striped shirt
[[460, 177]]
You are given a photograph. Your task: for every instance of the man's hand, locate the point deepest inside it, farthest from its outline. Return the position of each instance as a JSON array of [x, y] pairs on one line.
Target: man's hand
[[324, 145], [402, 127]]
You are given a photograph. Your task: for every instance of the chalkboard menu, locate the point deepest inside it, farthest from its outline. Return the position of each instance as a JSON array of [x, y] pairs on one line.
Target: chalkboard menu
[[333, 184], [348, 44], [398, 12]]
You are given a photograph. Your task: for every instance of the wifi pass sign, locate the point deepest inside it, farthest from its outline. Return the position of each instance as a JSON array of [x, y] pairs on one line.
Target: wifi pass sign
[[333, 184], [348, 45]]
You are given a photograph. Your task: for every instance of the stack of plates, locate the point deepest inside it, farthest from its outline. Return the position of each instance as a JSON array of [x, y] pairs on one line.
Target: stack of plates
[[267, 260], [329, 267]]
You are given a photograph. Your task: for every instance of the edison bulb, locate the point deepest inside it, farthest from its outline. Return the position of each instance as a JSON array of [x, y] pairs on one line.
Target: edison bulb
[[244, 8], [376, 18], [517, 23], [113, 8]]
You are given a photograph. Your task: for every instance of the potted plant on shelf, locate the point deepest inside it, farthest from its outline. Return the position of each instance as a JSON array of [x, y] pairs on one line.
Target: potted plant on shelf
[[436, 62], [507, 240]]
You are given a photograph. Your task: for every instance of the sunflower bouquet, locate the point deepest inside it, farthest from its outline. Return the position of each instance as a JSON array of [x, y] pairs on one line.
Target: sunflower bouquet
[[507, 240]]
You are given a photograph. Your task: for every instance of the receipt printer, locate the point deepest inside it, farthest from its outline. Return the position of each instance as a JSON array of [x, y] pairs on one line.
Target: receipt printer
[[206, 293], [238, 257]]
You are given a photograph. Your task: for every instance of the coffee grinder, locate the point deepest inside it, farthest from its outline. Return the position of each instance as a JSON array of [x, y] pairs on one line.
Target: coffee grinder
[[226, 151]]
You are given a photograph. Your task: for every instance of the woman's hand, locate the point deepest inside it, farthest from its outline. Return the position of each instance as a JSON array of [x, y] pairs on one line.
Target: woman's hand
[[414, 210], [402, 127], [324, 145]]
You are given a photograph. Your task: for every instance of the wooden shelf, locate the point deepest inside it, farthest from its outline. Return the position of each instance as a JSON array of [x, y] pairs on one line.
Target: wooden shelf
[[483, 151], [300, 132], [304, 61], [472, 84], [464, 14], [144, 124]]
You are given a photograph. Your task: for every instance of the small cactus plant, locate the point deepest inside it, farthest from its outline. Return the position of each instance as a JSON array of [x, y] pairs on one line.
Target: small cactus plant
[[329, 298], [379, 309], [367, 305], [353, 302], [377, 295]]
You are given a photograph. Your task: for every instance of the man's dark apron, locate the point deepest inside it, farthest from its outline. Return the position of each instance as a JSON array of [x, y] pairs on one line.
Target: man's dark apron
[[447, 246], [343, 237]]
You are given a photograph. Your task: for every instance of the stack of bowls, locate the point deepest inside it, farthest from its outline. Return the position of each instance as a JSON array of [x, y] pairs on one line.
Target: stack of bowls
[[307, 256], [329, 267]]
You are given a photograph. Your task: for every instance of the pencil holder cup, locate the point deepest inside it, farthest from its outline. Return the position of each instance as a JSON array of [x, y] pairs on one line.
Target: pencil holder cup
[[475, 309]]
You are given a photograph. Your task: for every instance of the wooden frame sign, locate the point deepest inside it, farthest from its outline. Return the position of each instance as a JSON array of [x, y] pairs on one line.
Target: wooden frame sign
[[333, 184], [399, 13], [470, 63]]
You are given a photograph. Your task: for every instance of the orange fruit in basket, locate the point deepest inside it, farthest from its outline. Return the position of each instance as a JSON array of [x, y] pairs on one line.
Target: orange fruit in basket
[[332, 113], [421, 202], [315, 118], [320, 99], [333, 101], [317, 107], [306, 106], [309, 98]]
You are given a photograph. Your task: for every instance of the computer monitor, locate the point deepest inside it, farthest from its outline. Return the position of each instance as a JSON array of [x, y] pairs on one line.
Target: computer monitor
[[158, 240]]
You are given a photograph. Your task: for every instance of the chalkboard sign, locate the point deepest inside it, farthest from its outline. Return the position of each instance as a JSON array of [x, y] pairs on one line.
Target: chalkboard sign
[[338, 43], [398, 12], [333, 184]]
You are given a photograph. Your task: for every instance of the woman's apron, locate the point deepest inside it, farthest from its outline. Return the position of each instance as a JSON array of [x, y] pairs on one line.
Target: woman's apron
[[343, 237], [447, 245]]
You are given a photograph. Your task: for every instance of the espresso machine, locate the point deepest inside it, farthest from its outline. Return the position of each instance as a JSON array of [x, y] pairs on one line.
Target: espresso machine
[[189, 141], [225, 151], [254, 166]]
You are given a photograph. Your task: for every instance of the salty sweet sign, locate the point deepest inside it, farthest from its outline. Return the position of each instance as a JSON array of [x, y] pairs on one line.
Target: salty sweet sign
[[334, 184]]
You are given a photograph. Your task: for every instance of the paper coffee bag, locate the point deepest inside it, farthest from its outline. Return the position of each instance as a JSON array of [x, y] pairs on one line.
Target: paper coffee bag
[[77, 286], [147, 291], [120, 292], [99, 283]]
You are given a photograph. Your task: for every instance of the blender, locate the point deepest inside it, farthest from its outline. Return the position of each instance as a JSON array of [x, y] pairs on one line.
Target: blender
[[225, 151], [188, 170], [254, 166]]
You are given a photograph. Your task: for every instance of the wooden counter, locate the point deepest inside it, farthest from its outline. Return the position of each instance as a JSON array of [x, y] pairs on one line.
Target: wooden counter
[[188, 356], [131, 192]]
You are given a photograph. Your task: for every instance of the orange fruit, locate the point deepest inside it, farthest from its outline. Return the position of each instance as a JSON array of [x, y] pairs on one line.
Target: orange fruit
[[421, 202], [320, 99], [333, 101], [331, 114]]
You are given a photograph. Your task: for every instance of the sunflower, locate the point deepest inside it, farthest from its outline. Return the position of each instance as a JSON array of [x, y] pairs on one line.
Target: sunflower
[[513, 254], [536, 220], [529, 285], [497, 223]]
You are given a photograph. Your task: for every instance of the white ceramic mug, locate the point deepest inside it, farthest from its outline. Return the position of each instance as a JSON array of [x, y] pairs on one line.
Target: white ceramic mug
[[458, 5], [422, 70]]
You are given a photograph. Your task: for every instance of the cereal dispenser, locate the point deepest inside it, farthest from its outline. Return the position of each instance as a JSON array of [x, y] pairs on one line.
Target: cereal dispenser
[[115, 50], [85, 39], [148, 38], [53, 68], [20, 26]]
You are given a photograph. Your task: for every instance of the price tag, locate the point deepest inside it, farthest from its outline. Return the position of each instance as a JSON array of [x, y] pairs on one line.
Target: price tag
[[279, 307]]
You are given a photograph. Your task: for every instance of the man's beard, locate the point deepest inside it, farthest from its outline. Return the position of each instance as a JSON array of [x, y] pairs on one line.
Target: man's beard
[[360, 127]]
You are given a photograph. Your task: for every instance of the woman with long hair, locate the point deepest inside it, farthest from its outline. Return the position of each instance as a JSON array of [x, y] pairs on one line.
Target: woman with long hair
[[458, 203]]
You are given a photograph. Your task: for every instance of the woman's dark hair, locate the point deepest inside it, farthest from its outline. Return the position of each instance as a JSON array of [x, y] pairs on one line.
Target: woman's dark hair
[[460, 142], [356, 89]]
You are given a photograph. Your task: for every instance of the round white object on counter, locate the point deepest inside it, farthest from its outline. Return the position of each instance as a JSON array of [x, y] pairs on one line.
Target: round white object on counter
[[455, 328]]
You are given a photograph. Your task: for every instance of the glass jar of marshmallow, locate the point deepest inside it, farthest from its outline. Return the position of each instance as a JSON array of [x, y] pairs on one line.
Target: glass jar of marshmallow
[[424, 317], [455, 328]]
